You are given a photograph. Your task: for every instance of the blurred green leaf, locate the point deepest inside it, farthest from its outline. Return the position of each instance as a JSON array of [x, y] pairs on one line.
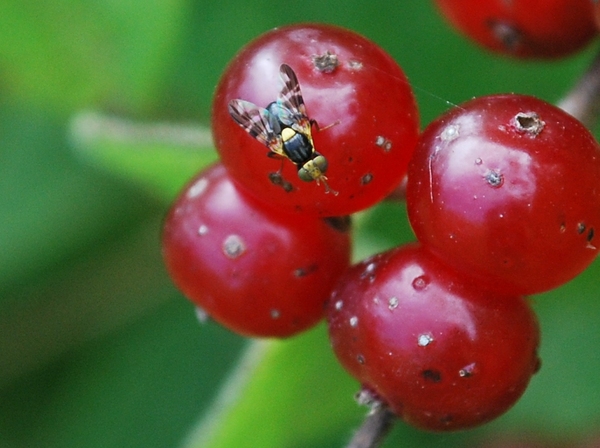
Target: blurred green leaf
[[67, 54], [158, 157], [283, 394]]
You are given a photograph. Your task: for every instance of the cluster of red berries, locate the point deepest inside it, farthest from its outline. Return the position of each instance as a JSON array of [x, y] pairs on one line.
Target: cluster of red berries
[[503, 194]]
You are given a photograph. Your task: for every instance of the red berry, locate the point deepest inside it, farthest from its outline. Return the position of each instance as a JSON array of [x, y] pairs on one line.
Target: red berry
[[255, 270], [441, 352], [506, 188], [596, 9], [524, 28], [346, 81]]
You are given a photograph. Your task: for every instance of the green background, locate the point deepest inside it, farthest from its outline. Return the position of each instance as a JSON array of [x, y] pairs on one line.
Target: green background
[[97, 348]]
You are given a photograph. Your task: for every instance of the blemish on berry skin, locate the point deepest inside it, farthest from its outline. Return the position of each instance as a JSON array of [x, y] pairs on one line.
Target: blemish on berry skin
[[339, 305], [580, 227], [450, 132], [326, 62], [275, 314], [203, 230], [383, 143], [353, 321], [303, 272], [420, 283], [431, 375], [366, 179], [425, 339], [393, 303], [353, 64], [234, 246], [494, 178], [467, 371], [360, 359], [507, 34], [528, 123], [589, 238]]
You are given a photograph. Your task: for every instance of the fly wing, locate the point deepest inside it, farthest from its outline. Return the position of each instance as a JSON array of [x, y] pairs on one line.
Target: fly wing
[[292, 111], [256, 121]]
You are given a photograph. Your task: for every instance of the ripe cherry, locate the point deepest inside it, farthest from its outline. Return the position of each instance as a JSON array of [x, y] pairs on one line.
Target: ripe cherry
[[441, 352], [524, 28], [255, 270], [506, 188], [347, 82]]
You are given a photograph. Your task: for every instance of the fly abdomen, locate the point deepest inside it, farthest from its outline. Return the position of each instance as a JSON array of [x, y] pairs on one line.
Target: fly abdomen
[[296, 146]]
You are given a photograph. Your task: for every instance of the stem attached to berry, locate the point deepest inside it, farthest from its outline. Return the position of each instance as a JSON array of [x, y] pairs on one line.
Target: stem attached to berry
[[583, 100], [376, 425]]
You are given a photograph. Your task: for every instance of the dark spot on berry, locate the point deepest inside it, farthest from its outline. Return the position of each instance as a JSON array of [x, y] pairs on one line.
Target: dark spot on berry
[[360, 359], [447, 419], [590, 235], [431, 375], [506, 33], [342, 224], [303, 272], [580, 227]]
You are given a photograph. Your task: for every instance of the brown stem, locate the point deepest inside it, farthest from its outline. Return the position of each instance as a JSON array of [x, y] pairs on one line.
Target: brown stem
[[376, 425], [583, 100]]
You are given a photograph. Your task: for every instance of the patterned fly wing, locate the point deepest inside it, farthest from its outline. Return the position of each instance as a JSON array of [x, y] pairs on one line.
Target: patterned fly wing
[[257, 122], [292, 111]]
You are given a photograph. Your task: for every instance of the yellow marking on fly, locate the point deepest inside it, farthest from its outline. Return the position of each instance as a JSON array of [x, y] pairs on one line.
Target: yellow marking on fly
[[287, 133]]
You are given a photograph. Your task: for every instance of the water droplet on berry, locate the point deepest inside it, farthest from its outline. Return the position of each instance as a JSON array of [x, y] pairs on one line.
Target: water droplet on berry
[[420, 283], [478, 161], [384, 143], [369, 272], [353, 321], [425, 339], [393, 303], [339, 304], [202, 230], [233, 246]]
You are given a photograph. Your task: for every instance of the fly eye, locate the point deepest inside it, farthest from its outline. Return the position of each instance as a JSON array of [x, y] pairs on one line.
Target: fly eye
[[304, 175], [321, 163]]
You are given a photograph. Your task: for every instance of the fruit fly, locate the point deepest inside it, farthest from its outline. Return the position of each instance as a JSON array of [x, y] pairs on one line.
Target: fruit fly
[[284, 128]]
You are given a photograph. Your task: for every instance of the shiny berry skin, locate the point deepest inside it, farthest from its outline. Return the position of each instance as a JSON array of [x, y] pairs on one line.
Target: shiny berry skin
[[441, 352], [523, 28], [506, 188], [344, 79], [257, 271]]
